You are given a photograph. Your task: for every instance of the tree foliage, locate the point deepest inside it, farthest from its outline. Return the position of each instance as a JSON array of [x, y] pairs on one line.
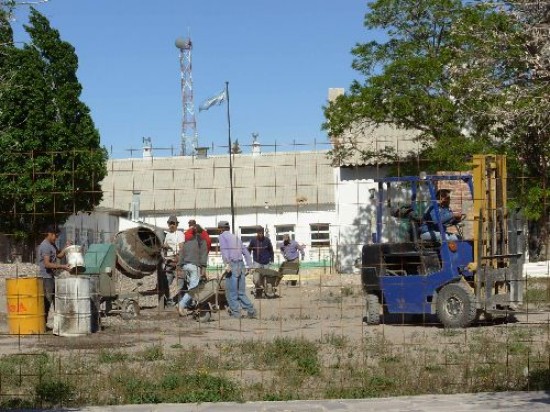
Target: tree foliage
[[51, 160], [471, 77]]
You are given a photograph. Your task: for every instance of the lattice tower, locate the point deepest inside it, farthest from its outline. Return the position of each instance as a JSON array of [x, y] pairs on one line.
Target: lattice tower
[[189, 135]]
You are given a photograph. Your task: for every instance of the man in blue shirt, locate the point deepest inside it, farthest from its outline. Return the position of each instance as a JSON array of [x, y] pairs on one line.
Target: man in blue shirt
[[232, 251], [429, 229], [262, 255], [291, 249], [262, 249]]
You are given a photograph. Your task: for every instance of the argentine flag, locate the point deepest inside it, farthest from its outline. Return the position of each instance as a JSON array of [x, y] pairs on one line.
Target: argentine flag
[[216, 100]]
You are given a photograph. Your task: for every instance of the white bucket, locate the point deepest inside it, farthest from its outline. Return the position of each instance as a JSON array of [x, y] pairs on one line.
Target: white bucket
[[73, 306], [75, 259]]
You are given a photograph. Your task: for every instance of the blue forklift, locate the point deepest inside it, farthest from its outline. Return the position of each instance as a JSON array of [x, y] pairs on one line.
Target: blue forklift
[[476, 275]]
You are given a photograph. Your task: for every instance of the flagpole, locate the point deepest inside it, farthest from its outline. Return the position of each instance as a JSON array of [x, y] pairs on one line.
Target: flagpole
[[230, 159]]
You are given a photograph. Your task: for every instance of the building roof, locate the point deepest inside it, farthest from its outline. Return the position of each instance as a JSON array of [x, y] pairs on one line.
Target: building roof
[[191, 183], [376, 139]]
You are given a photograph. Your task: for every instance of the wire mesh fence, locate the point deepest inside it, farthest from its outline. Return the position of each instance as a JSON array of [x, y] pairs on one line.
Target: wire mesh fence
[[366, 313]]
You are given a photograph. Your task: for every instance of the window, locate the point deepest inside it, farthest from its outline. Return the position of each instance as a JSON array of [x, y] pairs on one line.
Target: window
[[282, 230], [214, 234], [320, 234], [248, 233]]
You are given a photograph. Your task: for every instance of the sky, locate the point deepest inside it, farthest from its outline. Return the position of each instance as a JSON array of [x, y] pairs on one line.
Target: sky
[[278, 57]]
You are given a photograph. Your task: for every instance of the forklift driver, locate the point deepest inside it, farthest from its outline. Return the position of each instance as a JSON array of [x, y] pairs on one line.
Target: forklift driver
[[429, 229]]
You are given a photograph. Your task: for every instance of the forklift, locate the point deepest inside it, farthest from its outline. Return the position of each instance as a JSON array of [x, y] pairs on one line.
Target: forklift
[[460, 278]]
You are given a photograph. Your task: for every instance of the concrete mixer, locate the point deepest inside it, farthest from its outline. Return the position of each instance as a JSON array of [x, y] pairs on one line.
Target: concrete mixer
[[134, 253]]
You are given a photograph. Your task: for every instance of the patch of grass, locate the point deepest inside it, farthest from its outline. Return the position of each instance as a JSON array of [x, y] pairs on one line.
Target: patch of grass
[[151, 353], [106, 356], [539, 380], [54, 392], [347, 291], [450, 332], [294, 355], [179, 388], [338, 341], [16, 403]]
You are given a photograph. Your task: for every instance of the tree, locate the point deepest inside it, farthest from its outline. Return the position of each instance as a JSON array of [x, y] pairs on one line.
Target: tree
[[472, 77], [50, 154], [419, 77]]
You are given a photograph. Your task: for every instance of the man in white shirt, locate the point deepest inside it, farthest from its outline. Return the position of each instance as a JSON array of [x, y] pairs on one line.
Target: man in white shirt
[[172, 242]]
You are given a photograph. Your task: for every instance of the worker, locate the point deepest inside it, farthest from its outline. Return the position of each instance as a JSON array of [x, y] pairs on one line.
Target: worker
[[233, 251], [48, 266], [291, 249], [262, 255], [203, 233], [173, 239], [429, 229], [193, 256]]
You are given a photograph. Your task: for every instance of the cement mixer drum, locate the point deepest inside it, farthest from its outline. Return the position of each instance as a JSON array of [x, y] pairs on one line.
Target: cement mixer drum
[[138, 252]]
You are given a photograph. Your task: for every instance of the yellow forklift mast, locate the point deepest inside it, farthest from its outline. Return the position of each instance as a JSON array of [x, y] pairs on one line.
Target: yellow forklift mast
[[497, 240], [489, 208]]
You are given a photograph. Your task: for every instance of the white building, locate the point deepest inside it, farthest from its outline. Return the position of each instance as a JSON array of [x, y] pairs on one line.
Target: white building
[[291, 192]]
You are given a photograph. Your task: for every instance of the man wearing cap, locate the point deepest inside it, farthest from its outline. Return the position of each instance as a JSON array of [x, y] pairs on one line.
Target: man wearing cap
[[262, 254], [47, 255], [172, 240], [195, 228], [233, 250], [193, 257]]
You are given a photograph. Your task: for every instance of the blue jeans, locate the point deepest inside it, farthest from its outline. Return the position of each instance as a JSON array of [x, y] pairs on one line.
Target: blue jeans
[[235, 291], [192, 273]]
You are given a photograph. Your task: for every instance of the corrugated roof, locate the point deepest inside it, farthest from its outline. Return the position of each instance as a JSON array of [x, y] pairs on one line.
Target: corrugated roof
[[185, 183], [377, 139]]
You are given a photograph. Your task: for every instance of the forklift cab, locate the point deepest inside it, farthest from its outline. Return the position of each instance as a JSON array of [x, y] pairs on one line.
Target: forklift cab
[[405, 267], [458, 280]]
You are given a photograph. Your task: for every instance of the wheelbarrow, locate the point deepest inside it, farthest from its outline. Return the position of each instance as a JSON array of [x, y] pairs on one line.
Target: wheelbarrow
[[265, 282], [290, 270], [208, 297]]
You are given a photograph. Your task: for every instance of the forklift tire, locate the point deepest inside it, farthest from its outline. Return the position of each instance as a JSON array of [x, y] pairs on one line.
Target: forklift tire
[[129, 309], [373, 310], [456, 306]]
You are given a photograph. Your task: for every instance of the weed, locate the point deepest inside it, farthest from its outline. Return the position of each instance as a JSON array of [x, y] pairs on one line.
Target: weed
[[174, 388], [151, 353], [53, 392], [112, 357], [347, 291], [338, 341], [450, 332], [539, 380]]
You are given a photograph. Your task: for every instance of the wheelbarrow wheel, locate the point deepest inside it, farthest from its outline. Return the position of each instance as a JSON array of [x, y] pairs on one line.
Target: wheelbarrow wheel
[[269, 291], [203, 313], [129, 309], [258, 293]]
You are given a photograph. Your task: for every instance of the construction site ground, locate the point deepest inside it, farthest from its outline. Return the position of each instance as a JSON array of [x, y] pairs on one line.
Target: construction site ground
[[322, 305]]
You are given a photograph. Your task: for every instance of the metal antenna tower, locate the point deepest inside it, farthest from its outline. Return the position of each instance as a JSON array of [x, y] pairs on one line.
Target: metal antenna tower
[[189, 135]]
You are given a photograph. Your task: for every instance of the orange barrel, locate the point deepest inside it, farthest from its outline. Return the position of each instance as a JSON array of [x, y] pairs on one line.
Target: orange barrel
[[25, 298]]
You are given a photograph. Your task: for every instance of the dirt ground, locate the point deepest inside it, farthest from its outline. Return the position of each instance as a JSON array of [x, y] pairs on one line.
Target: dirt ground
[[320, 306]]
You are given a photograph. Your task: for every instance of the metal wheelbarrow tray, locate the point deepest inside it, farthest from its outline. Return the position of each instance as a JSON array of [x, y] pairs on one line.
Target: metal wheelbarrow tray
[[266, 282], [290, 270], [209, 296]]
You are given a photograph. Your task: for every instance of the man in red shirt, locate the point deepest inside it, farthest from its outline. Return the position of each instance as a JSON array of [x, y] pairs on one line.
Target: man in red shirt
[[194, 228]]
